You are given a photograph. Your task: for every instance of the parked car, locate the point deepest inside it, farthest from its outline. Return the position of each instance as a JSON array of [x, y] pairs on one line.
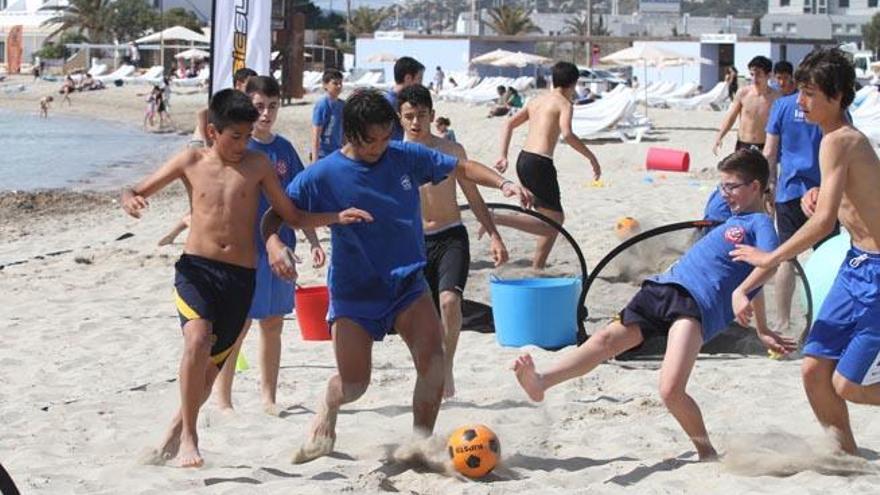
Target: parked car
[[599, 79]]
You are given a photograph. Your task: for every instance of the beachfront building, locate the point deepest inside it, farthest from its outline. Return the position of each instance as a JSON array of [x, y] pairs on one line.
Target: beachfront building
[[28, 15], [840, 20]]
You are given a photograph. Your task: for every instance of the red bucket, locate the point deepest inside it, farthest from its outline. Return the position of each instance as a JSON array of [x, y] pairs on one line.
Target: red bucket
[[668, 159], [311, 312]]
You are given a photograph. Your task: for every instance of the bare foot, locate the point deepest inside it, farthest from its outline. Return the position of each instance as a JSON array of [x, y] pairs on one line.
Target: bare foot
[[528, 378], [449, 387], [321, 439], [705, 451], [271, 409], [189, 455]]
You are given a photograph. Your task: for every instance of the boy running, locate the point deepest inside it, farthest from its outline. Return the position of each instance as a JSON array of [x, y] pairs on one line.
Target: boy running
[[327, 117], [842, 352], [690, 303], [376, 277], [549, 117], [273, 296], [446, 238], [214, 278]]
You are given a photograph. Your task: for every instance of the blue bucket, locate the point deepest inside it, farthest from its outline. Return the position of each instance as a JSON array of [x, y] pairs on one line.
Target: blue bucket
[[535, 311]]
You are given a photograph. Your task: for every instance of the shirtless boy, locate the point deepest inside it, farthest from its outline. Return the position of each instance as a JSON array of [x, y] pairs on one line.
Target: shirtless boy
[[446, 239], [842, 352], [376, 278], [549, 117], [44, 106], [752, 105], [214, 278]]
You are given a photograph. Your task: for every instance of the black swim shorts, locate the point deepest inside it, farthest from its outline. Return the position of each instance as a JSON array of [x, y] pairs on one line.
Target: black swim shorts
[[537, 174], [744, 145], [790, 217], [217, 292], [449, 259], [655, 307]]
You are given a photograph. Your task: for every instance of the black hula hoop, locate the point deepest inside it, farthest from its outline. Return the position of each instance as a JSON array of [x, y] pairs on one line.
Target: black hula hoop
[[7, 486]]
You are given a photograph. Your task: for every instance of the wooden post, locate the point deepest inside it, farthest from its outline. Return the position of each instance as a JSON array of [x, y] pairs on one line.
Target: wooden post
[[291, 44]]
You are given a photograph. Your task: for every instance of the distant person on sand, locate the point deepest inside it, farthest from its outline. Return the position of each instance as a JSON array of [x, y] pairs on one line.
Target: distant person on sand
[[689, 304], [439, 76], [152, 101], [446, 238], [444, 130], [327, 117], [215, 276], [273, 297], [44, 106], [842, 352], [549, 117], [731, 77], [376, 276], [67, 87], [752, 106]]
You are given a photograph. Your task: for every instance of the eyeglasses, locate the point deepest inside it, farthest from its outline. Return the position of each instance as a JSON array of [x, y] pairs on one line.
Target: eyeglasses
[[729, 187]]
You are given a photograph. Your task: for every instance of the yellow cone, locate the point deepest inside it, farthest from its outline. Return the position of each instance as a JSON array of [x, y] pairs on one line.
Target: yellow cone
[[241, 363]]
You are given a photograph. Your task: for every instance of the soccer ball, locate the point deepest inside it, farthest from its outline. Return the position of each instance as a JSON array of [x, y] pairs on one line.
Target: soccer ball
[[626, 227], [474, 450]]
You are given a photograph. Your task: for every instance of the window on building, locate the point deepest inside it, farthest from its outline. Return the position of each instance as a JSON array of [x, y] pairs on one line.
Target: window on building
[[784, 3], [837, 28], [807, 9], [843, 3], [2, 4], [822, 10], [872, 3], [791, 27], [777, 27], [852, 28], [2, 52]]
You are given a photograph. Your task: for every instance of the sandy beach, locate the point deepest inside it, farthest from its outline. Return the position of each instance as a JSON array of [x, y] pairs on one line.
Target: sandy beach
[[91, 345]]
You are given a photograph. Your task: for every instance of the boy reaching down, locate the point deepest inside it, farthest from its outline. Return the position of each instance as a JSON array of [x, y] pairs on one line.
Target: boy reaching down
[[376, 277], [842, 352], [214, 278], [690, 303]]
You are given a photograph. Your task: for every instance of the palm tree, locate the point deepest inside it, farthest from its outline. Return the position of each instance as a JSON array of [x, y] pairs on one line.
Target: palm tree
[[511, 21], [365, 20], [91, 18]]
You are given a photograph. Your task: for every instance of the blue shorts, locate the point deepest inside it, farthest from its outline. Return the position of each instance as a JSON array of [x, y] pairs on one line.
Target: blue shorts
[[273, 295], [847, 328], [410, 290]]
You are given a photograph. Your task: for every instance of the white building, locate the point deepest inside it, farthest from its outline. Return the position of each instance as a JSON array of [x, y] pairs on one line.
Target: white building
[[841, 20]]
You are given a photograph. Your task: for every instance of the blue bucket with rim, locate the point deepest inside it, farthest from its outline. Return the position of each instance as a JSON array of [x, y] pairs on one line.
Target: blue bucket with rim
[[535, 311]]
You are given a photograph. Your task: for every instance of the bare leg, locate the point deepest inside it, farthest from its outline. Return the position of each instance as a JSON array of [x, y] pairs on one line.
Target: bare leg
[[353, 348], [546, 234], [784, 284], [682, 348], [223, 387], [830, 409], [854, 392], [450, 314], [420, 328], [270, 360], [193, 383], [171, 442], [605, 344], [182, 225]]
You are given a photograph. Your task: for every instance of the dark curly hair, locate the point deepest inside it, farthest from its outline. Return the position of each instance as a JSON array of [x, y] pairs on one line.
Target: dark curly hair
[[831, 71], [365, 108]]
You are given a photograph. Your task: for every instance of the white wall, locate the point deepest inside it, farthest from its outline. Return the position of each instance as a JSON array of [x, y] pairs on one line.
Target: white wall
[[744, 51]]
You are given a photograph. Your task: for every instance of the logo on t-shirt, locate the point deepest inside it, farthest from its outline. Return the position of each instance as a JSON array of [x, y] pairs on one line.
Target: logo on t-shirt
[[735, 234], [280, 168], [405, 182], [799, 115]]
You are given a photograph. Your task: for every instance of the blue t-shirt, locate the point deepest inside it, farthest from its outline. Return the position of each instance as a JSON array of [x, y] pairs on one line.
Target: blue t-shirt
[[798, 149], [717, 208], [327, 115], [710, 275], [397, 129], [287, 165], [371, 262]]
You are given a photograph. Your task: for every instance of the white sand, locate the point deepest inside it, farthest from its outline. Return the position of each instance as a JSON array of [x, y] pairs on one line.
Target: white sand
[[91, 344]]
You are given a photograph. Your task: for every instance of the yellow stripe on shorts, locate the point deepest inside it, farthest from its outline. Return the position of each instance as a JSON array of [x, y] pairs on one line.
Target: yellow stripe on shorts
[[185, 310], [217, 359]]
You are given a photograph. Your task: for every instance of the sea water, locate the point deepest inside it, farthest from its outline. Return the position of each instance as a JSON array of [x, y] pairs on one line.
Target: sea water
[[76, 153]]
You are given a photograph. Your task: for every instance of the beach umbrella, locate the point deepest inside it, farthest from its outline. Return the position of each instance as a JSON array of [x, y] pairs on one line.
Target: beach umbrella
[[492, 56], [520, 59], [644, 54], [682, 62], [178, 33], [193, 54], [382, 57]]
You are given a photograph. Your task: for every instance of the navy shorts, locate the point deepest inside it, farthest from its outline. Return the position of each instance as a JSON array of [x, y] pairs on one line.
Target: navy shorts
[[790, 217], [217, 292], [411, 289], [847, 328], [655, 307]]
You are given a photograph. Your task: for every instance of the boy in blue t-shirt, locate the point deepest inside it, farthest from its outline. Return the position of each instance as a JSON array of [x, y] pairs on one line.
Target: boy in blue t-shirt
[[273, 296], [691, 303], [376, 277], [327, 117], [842, 352]]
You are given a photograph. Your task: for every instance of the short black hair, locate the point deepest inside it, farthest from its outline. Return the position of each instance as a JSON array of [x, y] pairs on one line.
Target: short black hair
[[444, 121], [242, 75], [831, 71], [565, 74], [783, 67], [406, 66], [749, 164], [263, 84], [417, 96], [761, 62], [331, 75], [364, 108], [501, 89], [230, 106]]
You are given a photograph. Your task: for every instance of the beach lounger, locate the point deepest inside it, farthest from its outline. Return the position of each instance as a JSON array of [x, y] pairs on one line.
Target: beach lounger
[[117, 75], [712, 99]]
